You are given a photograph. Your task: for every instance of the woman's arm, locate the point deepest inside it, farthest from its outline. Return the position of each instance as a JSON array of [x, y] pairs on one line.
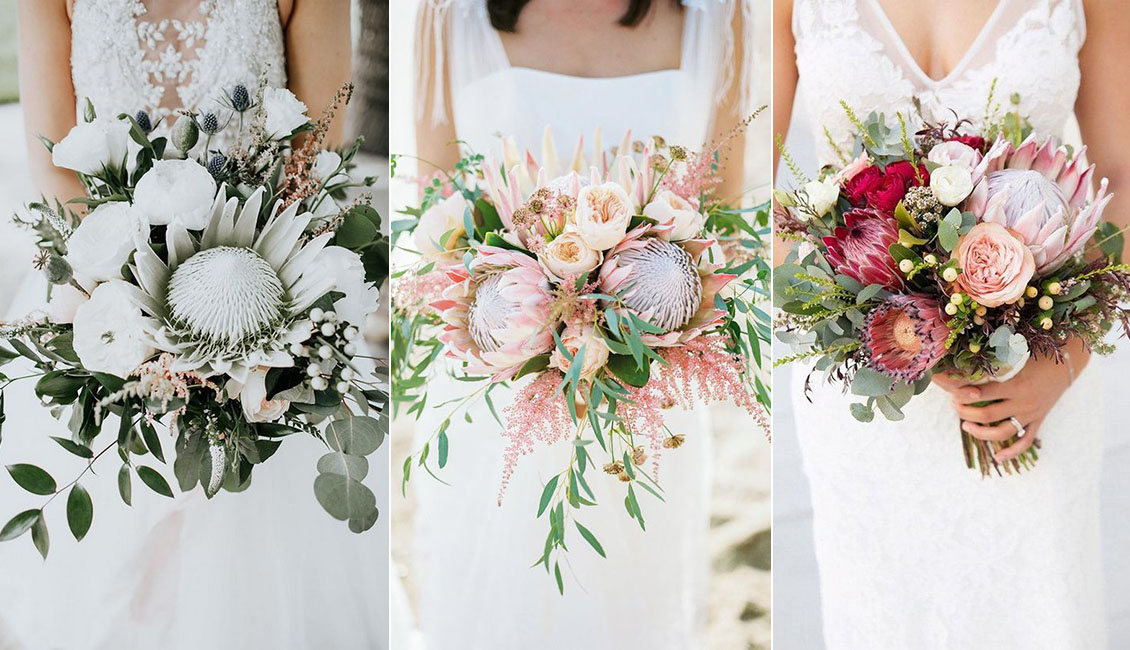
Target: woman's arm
[[1104, 102], [784, 89], [318, 49], [434, 137], [47, 95]]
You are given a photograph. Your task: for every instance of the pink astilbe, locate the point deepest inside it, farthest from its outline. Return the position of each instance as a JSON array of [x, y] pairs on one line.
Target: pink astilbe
[[414, 294], [700, 371], [538, 414]]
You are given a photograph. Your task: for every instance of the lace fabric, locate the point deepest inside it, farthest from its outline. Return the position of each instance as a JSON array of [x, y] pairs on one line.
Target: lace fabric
[[161, 56], [848, 50], [917, 552]]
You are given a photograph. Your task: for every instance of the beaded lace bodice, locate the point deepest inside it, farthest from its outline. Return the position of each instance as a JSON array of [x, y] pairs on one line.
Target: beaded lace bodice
[[164, 55], [848, 50]]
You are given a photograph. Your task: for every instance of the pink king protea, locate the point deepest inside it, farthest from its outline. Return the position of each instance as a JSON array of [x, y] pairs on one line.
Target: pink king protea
[[861, 248], [1040, 192], [905, 336], [497, 315], [664, 283]]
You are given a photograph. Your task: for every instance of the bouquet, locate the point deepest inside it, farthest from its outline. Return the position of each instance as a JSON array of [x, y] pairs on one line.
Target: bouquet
[[603, 297], [216, 294], [953, 248]]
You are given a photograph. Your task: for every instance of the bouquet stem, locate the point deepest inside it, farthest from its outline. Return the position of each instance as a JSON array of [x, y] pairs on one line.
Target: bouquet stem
[[980, 454]]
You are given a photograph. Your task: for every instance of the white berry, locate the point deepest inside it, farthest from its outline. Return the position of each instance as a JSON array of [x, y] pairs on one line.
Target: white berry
[[319, 383], [316, 314]]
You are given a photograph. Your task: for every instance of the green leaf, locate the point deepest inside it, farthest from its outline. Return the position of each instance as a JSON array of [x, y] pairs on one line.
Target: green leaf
[[18, 525], [39, 535], [870, 383], [547, 494], [534, 365], [442, 449], [359, 435], [125, 485], [74, 447], [80, 511], [355, 231], [354, 467], [32, 479], [152, 441], [625, 368], [344, 498], [947, 236], [154, 480], [557, 576], [862, 412], [590, 538]]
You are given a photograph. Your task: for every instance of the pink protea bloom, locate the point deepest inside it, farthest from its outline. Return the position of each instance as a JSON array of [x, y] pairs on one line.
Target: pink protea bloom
[[497, 315], [905, 336], [860, 249], [1040, 192], [663, 283]]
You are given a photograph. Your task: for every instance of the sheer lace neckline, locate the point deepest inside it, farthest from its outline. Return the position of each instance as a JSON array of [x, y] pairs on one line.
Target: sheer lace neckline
[[915, 67]]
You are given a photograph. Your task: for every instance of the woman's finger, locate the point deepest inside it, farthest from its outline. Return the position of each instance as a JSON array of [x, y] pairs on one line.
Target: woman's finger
[[997, 432], [988, 414], [949, 383], [1020, 446]]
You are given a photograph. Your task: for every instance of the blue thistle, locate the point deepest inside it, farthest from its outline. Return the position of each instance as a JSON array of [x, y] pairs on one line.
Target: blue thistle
[[209, 123], [143, 121], [216, 165], [240, 100]]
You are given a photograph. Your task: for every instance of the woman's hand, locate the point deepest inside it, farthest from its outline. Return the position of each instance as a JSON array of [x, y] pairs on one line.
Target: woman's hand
[[1028, 397]]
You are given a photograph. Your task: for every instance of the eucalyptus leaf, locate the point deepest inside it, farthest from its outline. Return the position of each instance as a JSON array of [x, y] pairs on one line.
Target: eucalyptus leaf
[[359, 435], [344, 498], [354, 467], [870, 383]]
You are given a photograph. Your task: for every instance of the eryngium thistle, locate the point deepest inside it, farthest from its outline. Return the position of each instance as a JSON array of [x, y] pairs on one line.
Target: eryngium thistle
[[216, 165], [143, 121], [663, 285], [209, 123], [240, 100]]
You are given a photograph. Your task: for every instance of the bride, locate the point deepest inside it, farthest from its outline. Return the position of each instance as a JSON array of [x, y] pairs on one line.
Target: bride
[[916, 551], [263, 569], [514, 67]]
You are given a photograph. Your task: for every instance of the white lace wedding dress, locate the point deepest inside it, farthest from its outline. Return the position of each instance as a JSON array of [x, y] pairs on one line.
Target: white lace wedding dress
[[476, 588], [915, 551], [265, 569]]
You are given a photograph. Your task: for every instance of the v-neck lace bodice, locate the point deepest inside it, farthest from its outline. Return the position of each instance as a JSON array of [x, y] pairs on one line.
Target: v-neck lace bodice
[[849, 50], [163, 55]]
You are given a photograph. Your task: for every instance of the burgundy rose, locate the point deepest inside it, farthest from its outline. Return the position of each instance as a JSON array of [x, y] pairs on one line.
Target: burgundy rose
[[883, 189], [857, 188], [974, 141], [861, 248]]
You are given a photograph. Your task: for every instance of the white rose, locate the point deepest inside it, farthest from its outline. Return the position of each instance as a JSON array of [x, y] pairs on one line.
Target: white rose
[[596, 351], [65, 301], [91, 147], [103, 241], [110, 331], [955, 153], [670, 209], [603, 215], [253, 397], [361, 298], [443, 217], [568, 255], [284, 112], [951, 184], [176, 190], [822, 195], [325, 164]]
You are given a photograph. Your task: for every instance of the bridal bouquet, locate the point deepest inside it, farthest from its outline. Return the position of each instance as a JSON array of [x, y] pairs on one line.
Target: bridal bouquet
[[947, 249], [217, 294], [603, 297]]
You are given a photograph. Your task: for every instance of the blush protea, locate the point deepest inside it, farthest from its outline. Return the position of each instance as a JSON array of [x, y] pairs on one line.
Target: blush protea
[[1040, 192], [497, 315], [860, 249], [905, 336], [665, 284]]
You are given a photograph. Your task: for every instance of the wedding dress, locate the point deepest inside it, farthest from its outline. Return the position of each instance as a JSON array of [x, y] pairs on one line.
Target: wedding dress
[[472, 555], [264, 569], [917, 552]]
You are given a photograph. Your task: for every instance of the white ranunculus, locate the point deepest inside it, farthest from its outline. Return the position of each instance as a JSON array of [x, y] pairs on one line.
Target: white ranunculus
[[822, 195], [176, 190], [443, 217], [284, 112], [955, 153], [596, 351], [951, 184], [110, 333], [103, 241], [670, 209], [603, 214], [91, 147], [568, 255], [361, 298], [325, 164], [253, 397], [65, 301]]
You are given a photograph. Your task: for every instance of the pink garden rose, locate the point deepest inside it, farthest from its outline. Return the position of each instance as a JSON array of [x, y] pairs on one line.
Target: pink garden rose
[[995, 265]]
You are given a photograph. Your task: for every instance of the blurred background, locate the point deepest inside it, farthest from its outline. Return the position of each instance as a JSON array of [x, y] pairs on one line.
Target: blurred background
[[741, 512]]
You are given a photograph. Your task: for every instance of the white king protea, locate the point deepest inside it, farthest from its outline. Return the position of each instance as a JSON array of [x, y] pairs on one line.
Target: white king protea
[[230, 299], [656, 279]]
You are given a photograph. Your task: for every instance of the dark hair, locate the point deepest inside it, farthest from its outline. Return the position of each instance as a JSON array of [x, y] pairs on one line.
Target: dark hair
[[504, 13]]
